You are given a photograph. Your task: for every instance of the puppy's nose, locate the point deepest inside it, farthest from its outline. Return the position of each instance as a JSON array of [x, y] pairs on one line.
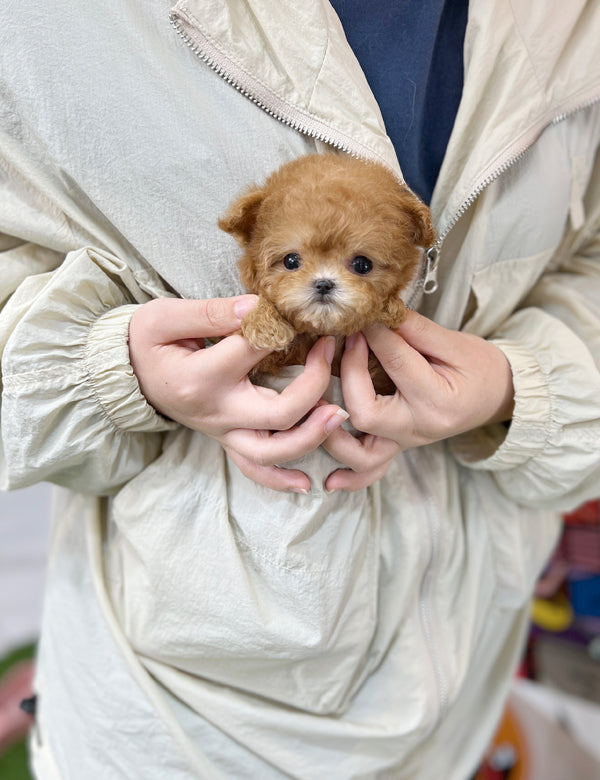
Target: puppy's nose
[[324, 286]]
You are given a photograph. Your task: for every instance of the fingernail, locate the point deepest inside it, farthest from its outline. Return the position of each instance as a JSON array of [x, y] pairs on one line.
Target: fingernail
[[329, 492], [302, 491], [329, 349], [336, 420], [242, 306], [351, 341]]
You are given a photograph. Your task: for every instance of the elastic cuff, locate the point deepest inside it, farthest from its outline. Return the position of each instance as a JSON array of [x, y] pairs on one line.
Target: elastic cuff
[[497, 448], [112, 377]]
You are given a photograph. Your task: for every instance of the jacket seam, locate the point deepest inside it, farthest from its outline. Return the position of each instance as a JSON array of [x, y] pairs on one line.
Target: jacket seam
[[526, 48], [303, 111], [16, 380], [321, 66], [237, 64]]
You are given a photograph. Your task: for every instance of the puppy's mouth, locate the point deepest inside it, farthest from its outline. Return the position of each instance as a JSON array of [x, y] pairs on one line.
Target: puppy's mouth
[[324, 296], [325, 309]]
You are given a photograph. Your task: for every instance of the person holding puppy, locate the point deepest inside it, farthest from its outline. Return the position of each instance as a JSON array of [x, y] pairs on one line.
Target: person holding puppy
[[213, 609]]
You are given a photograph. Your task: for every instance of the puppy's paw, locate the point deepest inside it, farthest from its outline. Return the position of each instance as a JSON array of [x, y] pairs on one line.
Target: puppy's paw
[[394, 314], [267, 332]]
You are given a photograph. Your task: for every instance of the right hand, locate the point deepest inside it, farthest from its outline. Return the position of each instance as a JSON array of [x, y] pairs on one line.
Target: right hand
[[208, 390]]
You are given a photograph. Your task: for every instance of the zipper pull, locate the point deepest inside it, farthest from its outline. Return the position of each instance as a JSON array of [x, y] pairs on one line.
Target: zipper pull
[[430, 283]]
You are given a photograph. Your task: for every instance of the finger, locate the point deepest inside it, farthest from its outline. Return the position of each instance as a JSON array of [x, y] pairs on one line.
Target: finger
[[354, 369], [263, 408], [361, 454], [273, 477], [351, 481], [311, 384], [429, 338], [409, 370], [369, 412], [231, 359], [173, 319], [269, 449]]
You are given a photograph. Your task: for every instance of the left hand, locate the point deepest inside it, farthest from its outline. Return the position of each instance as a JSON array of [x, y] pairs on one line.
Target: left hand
[[447, 383]]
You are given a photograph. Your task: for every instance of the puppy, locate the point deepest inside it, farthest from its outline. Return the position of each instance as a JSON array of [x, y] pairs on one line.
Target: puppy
[[330, 242]]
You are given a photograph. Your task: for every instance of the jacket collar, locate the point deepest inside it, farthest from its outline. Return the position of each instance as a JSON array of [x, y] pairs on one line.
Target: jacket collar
[[526, 65], [293, 60]]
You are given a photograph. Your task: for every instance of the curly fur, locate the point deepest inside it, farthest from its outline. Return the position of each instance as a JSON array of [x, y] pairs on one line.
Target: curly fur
[[326, 210]]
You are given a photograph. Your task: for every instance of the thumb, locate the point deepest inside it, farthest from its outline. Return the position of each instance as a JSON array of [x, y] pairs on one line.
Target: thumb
[[431, 339], [175, 319]]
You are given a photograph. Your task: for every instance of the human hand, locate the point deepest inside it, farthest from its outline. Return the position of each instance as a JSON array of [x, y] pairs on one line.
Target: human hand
[[208, 390], [447, 383]]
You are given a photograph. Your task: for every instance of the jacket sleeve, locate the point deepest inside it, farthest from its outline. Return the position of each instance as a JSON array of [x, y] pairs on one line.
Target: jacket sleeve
[[72, 412], [550, 456]]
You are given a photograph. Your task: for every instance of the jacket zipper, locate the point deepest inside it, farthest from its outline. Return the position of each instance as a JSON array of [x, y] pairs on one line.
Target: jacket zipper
[[432, 255], [258, 94], [264, 99]]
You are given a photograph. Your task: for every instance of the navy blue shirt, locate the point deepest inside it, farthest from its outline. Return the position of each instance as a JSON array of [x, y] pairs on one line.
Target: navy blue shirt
[[411, 52]]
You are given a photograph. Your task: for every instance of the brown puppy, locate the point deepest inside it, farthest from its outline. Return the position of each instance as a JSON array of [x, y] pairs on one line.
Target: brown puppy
[[329, 242]]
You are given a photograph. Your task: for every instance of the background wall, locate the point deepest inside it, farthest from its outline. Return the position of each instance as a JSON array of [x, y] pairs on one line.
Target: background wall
[[24, 525]]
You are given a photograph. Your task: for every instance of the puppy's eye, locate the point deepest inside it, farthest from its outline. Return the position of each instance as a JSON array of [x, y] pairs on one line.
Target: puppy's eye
[[361, 265], [292, 261]]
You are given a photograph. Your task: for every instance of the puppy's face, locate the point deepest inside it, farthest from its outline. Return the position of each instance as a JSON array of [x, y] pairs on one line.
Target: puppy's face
[[329, 240]]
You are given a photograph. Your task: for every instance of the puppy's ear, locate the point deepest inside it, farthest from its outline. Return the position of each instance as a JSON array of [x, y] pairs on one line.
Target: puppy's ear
[[422, 230], [240, 219]]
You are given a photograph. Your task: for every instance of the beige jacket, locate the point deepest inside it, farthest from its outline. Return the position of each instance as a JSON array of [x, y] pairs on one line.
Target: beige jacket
[[196, 624]]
